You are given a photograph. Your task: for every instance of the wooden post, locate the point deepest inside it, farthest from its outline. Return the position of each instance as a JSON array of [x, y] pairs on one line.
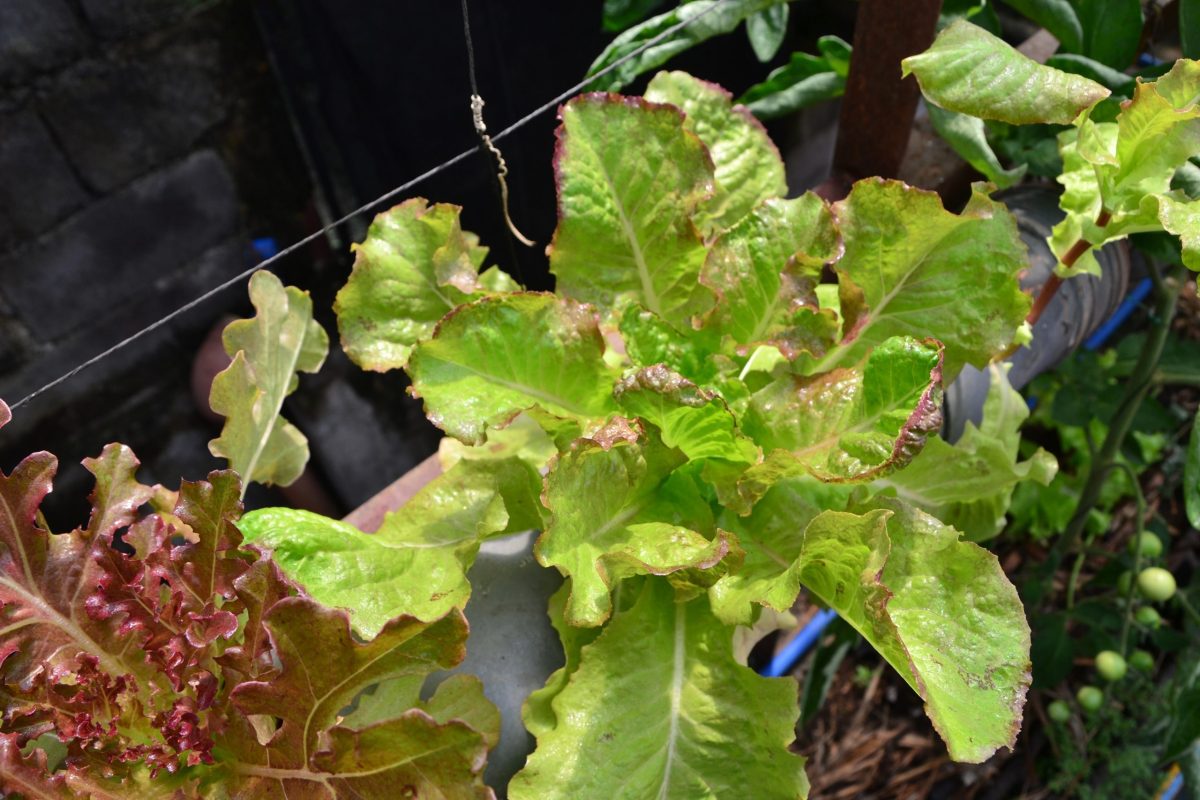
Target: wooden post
[[878, 107]]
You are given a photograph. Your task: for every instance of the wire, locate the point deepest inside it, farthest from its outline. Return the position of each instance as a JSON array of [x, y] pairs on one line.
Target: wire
[[466, 16], [484, 139], [522, 122]]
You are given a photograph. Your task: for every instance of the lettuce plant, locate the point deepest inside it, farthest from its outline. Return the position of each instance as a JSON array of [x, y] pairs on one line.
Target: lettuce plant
[[150, 653], [701, 425]]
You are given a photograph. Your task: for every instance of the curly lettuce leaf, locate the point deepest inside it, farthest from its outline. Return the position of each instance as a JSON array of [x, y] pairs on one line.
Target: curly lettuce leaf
[[969, 484], [416, 563], [1118, 175], [494, 358], [322, 668], [694, 420], [659, 707], [625, 230], [416, 265], [766, 269], [912, 268], [855, 424], [772, 536], [618, 509], [748, 167], [940, 611], [268, 351]]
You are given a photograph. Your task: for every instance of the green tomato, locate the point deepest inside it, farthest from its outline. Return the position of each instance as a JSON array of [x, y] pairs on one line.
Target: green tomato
[[1148, 616], [1156, 584], [1124, 582], [1090, 698], [1141, 661], [1110, 665], [1059, 711], [1150, 545]]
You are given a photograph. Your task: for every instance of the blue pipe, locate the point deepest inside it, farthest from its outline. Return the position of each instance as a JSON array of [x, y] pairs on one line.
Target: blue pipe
[[786, 659], [1173, 789], [1127, 307]]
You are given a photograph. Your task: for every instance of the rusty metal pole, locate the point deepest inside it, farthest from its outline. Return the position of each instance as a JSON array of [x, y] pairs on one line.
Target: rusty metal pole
[[878, 107]]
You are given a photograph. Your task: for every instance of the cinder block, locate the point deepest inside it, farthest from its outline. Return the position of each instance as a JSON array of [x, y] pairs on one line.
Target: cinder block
[[37, 188], [106, 260], [117, 121], [35, 36]]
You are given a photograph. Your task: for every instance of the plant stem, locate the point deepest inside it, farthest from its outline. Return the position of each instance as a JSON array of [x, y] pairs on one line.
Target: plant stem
[[1051, 286], [1136, 389], [1189, 608], [1127, 618]]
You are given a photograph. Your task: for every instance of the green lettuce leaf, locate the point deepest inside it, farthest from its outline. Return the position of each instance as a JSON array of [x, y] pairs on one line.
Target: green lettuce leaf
[[617, 509], [496, 357], [1182, 218], [973, 72], [415, 266], [938, 609], [969, 484], [658, 707], [854, 424], [702, 20], [767, 267], [649, 340], [694, 420], [538, 711], [912, 268], [268, 350], [773, 538], [748, 166], [625, 229], [416, 563], [458, 697]]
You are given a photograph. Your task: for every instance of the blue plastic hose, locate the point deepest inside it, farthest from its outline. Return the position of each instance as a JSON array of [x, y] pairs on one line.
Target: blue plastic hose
[[786, 659], [1127, 307]]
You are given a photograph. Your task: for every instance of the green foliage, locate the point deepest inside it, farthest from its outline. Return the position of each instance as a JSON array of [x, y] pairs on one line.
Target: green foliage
[[969, 484], [766, 31], [1118, 174], [804, 81], [706, 18], [661, 709]]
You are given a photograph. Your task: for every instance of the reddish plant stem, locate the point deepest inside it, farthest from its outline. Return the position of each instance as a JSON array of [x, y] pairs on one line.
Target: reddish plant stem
[[1050, 287]]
